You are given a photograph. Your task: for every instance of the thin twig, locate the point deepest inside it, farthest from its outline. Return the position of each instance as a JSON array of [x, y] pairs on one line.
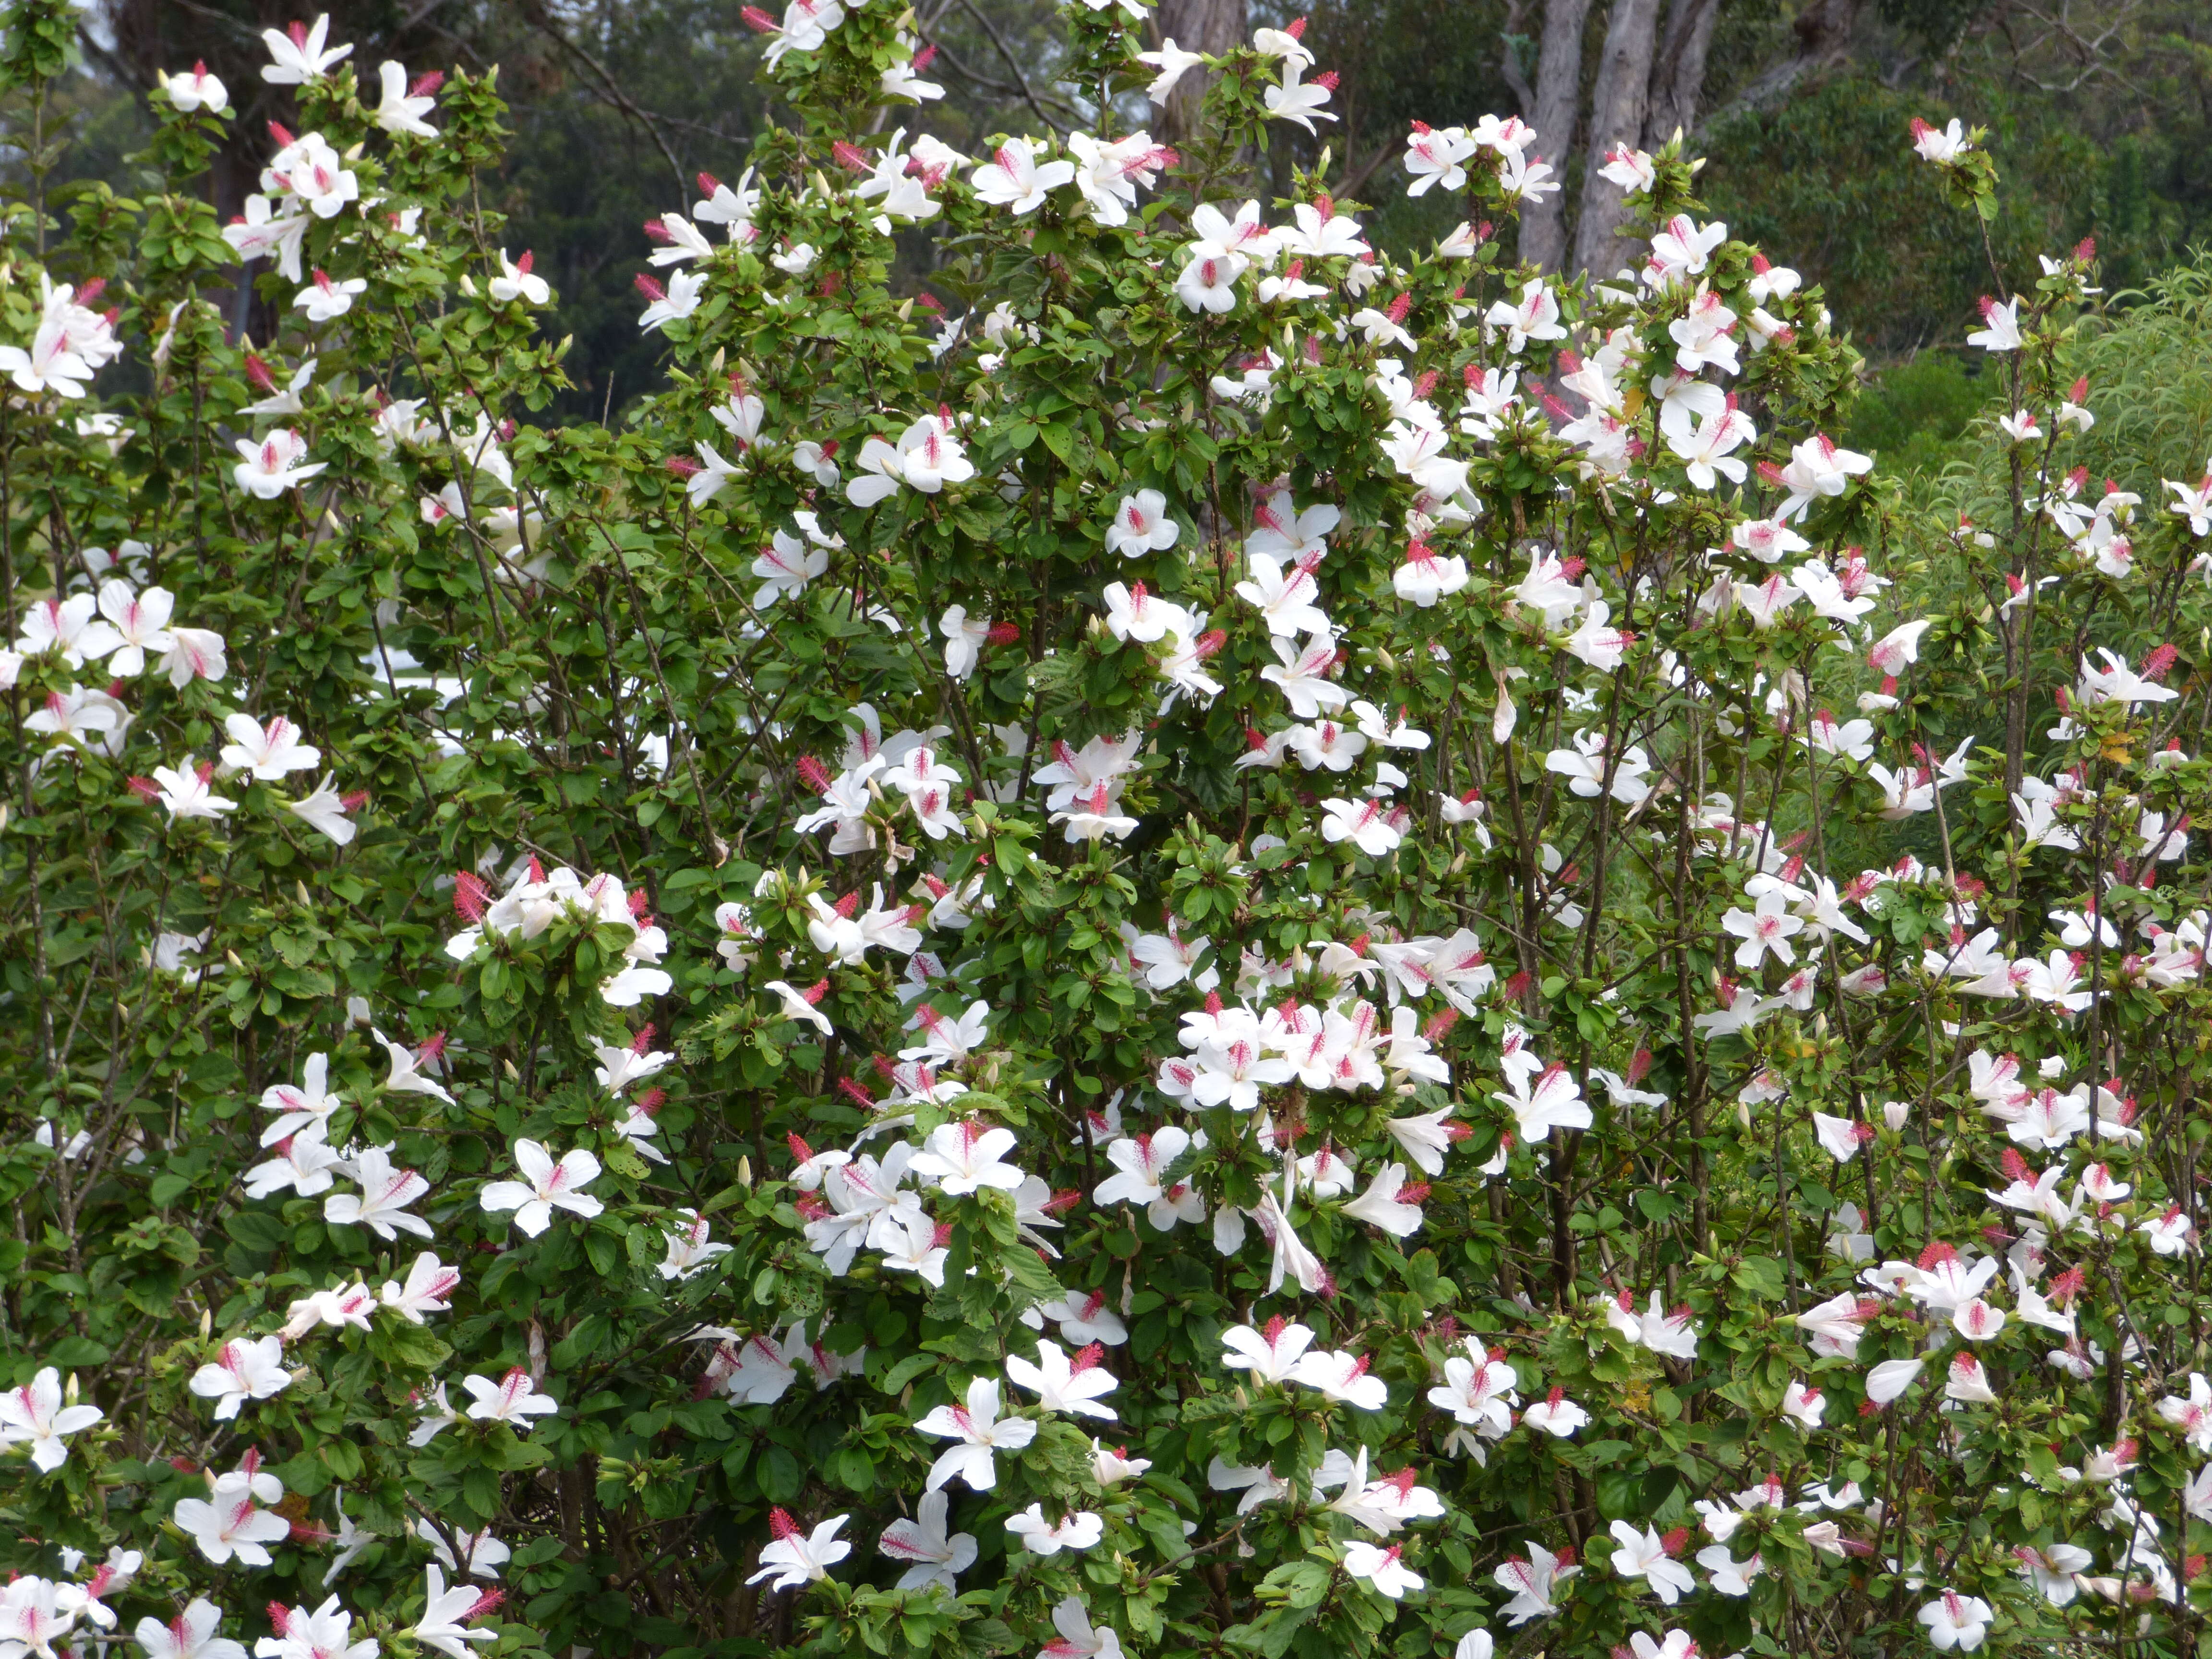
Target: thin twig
[[1005, 51], [536, 12]]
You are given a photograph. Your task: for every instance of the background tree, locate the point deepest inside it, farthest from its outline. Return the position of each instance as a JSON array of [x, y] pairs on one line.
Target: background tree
[[2104, 112]]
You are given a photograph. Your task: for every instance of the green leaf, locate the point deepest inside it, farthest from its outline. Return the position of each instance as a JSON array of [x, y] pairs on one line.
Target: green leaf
[[414, 1344], [779, 1476], [166, 1189], [855, 1470], [1759, 1275], [915, 1365], [257, 1230], [606, 1253]]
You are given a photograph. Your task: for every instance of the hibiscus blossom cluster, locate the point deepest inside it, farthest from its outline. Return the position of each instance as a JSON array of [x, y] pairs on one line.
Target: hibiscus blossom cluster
[[535, 901]]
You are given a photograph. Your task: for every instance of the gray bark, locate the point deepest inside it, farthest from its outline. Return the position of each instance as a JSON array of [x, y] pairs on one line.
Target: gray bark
[[1558, 93], [1677, 71], [1212, 27], [1508, 61], [1617, 112]]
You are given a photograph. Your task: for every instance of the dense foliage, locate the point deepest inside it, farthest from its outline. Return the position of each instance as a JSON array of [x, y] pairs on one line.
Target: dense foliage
[[1188, 962], [2102, 116]]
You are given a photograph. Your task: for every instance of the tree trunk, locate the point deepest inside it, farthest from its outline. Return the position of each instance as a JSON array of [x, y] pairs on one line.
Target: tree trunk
[[1559, 94], [1212, 27], [1617, 112], [1508, 60], [1677, 71]]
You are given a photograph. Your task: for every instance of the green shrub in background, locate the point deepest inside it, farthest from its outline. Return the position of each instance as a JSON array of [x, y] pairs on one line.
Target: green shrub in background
[[1912, 413]]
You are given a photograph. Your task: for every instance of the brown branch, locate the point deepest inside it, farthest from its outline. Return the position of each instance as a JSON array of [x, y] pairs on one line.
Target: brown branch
[[535, 11], [1005, 51]]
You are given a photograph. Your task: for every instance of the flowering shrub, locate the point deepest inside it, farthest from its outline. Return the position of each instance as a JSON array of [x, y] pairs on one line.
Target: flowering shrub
[[1192, 961]]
